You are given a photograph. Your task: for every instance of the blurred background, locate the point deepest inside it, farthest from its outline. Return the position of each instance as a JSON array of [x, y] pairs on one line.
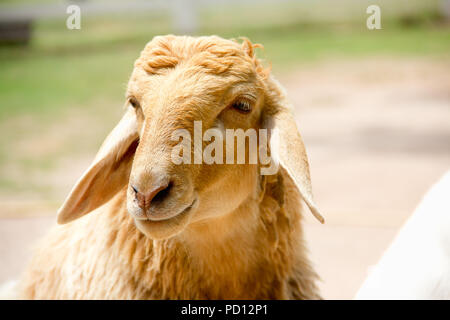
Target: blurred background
[[373, 107]]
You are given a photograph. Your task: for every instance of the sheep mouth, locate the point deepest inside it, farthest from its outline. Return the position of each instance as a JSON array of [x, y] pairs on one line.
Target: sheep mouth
[[162, 219], [164, 228], [170, 217]]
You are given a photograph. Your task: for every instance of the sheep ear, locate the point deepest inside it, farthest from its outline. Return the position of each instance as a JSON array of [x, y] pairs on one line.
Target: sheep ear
[[288, 150], [108, 173], [291, 155]]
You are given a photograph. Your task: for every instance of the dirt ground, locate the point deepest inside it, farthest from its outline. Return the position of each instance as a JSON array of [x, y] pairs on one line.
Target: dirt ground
[[377, 133]]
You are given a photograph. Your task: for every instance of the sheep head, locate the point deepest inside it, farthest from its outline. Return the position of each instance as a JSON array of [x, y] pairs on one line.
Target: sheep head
[[183, 94]]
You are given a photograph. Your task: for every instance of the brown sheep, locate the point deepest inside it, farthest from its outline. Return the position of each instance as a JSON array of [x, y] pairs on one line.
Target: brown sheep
[[184, 231]]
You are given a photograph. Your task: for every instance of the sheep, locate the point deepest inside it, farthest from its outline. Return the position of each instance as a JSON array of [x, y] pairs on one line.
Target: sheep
[[417, 263], [159, 230], [8, 290]]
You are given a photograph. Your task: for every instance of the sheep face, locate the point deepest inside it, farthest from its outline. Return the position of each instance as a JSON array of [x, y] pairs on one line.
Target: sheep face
[[181, 90], [187, 85]]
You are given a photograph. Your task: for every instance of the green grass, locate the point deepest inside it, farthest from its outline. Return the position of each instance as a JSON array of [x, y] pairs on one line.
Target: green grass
[[64, 68], [49, 76], [52, 83]]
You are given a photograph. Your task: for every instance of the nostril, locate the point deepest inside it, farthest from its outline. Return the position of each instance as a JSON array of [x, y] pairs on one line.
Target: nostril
[[162, 194], [157, 195]]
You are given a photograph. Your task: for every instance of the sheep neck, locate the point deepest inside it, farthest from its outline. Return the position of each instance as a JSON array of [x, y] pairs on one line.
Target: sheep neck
[[239, 255]]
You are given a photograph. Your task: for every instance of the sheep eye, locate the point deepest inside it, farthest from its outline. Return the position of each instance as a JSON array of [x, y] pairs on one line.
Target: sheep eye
[[242, 106], [134, 103]]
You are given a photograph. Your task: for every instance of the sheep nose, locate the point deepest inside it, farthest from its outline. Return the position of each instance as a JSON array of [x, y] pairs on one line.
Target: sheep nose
[[144, 199]]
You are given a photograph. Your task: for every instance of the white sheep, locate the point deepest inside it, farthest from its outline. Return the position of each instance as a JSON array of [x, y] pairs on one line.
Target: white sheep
[[417, 263], [8, 290]]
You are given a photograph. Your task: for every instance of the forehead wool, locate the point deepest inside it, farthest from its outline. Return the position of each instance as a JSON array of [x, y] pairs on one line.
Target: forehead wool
[[209, 54]]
